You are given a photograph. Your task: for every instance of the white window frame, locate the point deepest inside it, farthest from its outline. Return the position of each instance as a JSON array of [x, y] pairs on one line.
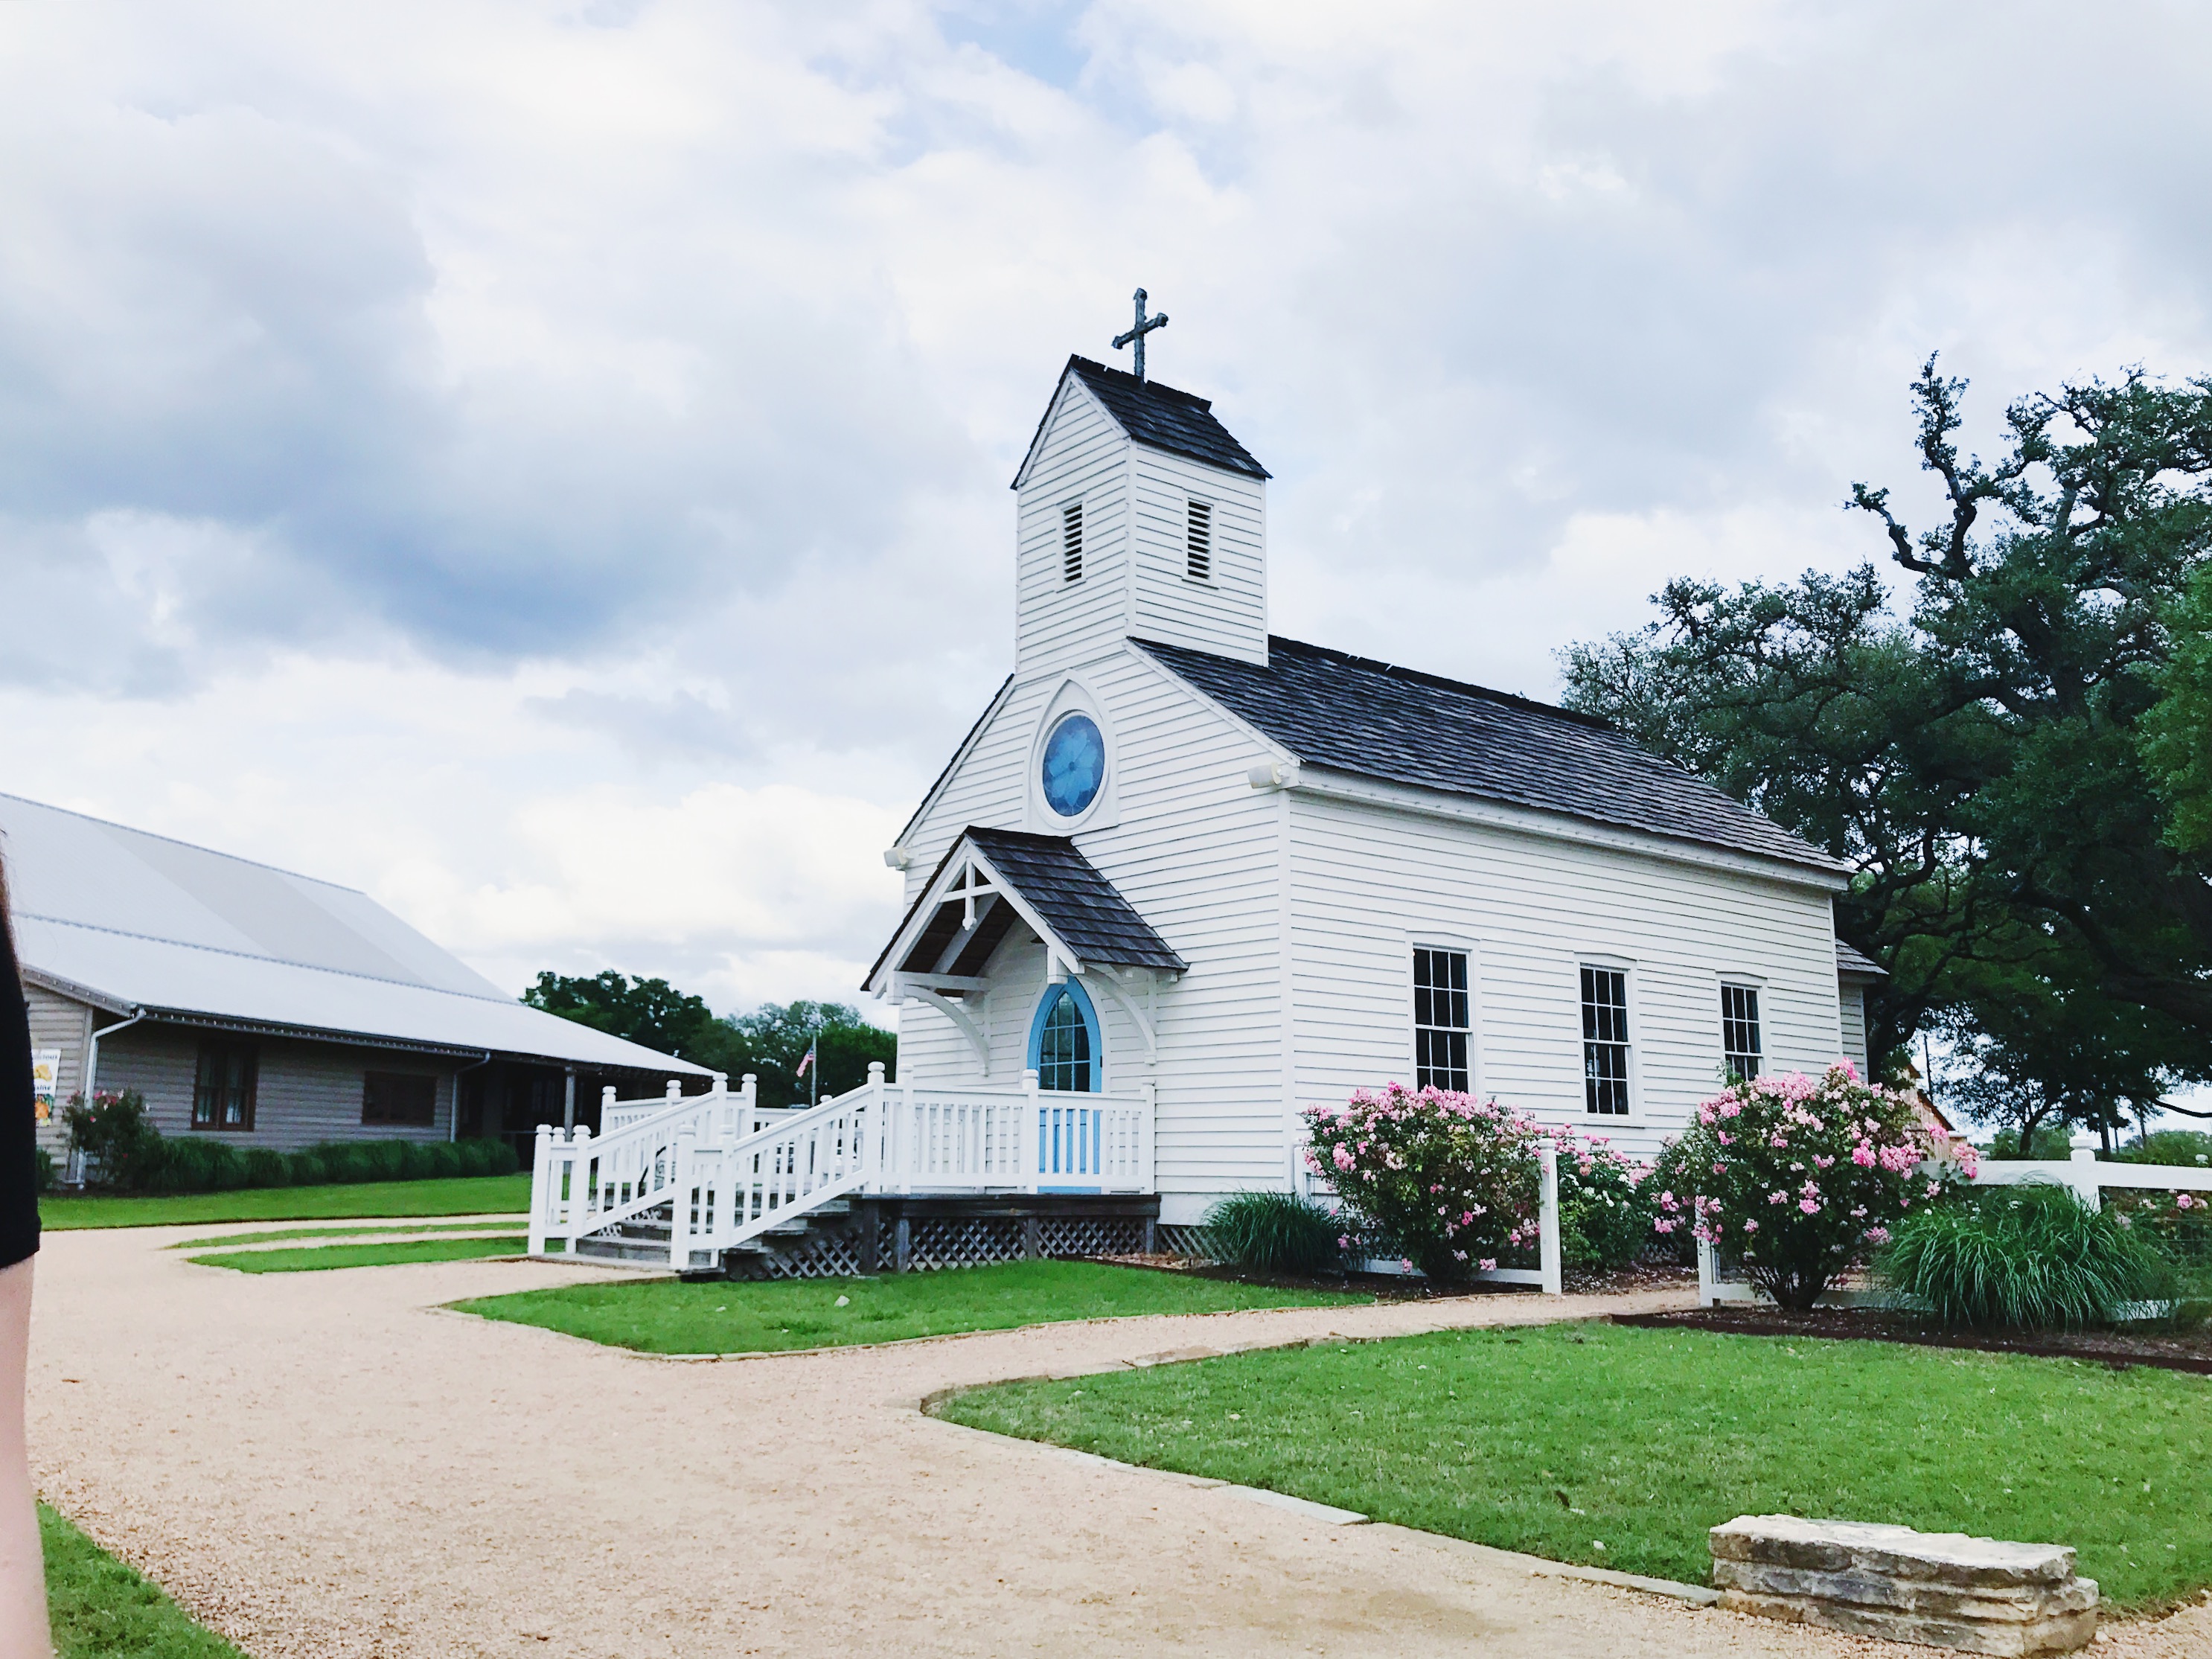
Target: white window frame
[[1757, 987], [1626, 968], [1414, 1028]]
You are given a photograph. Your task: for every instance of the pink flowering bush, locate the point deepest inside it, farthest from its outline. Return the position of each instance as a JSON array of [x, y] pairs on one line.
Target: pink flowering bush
[[1607, 1205], [1451, 1179], [1803, 1177]]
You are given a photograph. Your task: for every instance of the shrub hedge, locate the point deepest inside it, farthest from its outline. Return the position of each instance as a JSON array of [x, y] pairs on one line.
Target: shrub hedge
[[134, 1156]]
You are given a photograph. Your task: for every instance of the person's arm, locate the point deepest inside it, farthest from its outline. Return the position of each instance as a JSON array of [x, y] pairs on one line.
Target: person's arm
[[23, 1631]]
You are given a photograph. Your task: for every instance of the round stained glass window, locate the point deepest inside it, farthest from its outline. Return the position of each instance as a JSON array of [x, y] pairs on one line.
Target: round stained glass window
[[1074, 765]]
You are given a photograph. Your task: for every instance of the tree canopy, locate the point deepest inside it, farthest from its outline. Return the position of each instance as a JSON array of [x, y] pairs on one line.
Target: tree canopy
[[2016, 768], [769, 1042]]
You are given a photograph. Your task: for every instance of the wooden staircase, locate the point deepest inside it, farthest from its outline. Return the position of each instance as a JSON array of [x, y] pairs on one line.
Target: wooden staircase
[[644, 1239]]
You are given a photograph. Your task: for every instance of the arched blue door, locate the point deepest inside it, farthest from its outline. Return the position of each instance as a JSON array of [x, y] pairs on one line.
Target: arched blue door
[[1067, 1055]]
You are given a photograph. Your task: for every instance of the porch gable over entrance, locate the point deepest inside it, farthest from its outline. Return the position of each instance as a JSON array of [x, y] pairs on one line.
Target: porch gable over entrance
[[989, 882]]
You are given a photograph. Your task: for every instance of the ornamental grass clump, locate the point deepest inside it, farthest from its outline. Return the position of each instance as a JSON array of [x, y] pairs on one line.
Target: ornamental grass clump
[[1804, 1178], [2031, 1257], [1274, 1233], [1451, 1179]]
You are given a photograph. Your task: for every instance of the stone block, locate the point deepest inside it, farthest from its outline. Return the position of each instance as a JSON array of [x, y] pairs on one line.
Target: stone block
[[1942, 1589]]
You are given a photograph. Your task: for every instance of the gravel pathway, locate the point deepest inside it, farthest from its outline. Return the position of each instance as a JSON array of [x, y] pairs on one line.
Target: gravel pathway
[[326, 1464]]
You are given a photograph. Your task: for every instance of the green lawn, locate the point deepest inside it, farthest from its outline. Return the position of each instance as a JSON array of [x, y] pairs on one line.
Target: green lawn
[[1555, 1440], [315, 1258], [465, 1195], [213, 1240], [663, 1316], [102, 1609]]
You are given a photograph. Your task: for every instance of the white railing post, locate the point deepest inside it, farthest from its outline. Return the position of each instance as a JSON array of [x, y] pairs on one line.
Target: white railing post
[[1708, 1276], [865, 1132], [1148, 1170], [1547, 1220], [1033, 1116], [541, 1188], [675, 1089], [680, 1208], [750, 1090], [2082, 1170]]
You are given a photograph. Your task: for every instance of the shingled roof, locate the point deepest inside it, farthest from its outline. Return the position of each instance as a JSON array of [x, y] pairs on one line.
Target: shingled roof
[[1159, 417], [1085, 912], [1353, 714], [1083, 908]]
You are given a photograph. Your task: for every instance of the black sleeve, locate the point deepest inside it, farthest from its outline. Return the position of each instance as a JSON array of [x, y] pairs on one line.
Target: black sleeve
[[19, 1184]]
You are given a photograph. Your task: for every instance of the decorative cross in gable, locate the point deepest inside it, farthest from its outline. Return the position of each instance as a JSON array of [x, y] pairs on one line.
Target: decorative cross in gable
[[1144, 326]]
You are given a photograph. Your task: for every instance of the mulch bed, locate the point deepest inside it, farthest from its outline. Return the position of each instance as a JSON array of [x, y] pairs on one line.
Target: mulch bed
[[2174, 1351]]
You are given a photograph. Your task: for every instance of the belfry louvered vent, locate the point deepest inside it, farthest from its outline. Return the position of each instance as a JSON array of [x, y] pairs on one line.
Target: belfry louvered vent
[[1198, 544], [1071, 542]]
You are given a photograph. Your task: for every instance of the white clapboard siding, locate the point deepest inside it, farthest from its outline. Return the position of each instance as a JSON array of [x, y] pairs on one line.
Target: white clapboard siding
[[306, 1092], [61, 1023], [1369, 882], [1854, 1016], [1227, 613], [1194, 849], [1083, 456]]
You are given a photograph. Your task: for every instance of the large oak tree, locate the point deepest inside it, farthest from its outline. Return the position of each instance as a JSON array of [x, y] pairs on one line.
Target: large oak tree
[[2016, 767]]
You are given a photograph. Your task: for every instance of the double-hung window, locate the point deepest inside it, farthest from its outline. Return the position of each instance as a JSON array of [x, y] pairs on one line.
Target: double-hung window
[[1740, 1050], [400, 1098], [1605, 1040], [223, 1089], [1441, 1020]]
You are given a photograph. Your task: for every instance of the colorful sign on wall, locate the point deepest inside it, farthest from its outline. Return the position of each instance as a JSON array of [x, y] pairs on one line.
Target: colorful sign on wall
[[45, 1079]]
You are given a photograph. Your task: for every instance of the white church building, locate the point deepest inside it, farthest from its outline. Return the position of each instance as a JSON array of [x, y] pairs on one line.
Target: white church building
[[1185, 878]]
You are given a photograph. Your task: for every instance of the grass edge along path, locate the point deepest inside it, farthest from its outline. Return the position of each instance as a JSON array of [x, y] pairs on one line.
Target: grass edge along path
[[1609, 1446], [365, 1229], [319, 1258], [777, 1316], [378, 1200], [104, 1608]]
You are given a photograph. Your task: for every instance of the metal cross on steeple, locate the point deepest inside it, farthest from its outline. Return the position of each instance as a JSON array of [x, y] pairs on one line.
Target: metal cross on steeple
[[1144, 326]]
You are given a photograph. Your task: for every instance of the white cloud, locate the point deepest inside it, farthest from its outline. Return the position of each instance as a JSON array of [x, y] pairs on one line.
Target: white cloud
[[430, 433]]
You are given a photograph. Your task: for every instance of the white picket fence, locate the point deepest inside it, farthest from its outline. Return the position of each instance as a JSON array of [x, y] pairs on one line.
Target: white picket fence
[[1549, 1275], [729, 1170], [2082, 1170]]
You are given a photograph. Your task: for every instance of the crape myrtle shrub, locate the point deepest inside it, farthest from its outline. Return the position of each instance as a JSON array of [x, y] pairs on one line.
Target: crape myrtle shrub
[[1804, 1177], [1452, 1180], [128, 1154]]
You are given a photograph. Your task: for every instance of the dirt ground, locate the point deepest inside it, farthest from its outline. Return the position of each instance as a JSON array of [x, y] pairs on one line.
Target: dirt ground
[[326, 1464]]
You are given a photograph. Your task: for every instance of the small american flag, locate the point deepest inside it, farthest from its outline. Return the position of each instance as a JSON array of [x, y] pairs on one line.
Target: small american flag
[[806, 1060]]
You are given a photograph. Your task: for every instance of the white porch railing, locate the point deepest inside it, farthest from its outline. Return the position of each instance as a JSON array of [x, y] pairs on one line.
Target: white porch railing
[[729, 1171]]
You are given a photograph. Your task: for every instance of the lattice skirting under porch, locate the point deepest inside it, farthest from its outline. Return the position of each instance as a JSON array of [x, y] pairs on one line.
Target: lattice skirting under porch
[[953, 1241], [1189, 1240]]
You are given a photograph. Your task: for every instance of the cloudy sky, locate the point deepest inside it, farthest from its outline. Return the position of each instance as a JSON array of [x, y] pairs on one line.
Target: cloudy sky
[[546, 464]]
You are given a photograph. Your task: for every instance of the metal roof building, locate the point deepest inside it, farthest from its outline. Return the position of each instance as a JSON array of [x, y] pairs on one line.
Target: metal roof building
[[244, 999]]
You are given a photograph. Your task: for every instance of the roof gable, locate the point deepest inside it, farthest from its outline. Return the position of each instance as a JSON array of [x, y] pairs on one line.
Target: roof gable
[[1148, 413], [1061, 892], [1354, 714]]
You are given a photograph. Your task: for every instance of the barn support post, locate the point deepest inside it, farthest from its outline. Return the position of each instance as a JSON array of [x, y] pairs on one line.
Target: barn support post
[[569, 1097]]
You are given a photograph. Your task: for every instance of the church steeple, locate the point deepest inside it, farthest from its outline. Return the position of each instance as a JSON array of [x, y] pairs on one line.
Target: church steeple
[[1139, 514]]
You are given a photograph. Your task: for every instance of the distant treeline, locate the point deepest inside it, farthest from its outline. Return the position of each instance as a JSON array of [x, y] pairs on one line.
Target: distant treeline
[[769, 1042]]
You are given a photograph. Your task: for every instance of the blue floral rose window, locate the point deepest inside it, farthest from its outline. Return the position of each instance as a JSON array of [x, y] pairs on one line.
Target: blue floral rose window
[[1074, 765]]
